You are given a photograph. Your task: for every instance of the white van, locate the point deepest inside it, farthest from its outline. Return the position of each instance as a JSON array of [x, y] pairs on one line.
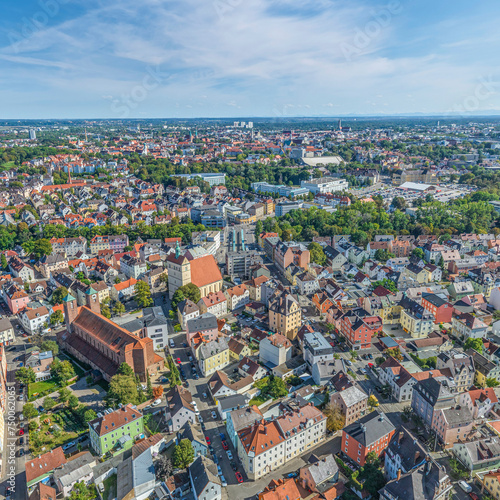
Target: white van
[[171, 343], [467, 488]]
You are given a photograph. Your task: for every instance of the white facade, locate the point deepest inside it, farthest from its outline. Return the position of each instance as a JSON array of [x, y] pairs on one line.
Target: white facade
[[325, 185]]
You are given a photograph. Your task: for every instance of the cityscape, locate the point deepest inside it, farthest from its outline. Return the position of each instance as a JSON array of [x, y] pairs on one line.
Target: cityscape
[[249, 251]]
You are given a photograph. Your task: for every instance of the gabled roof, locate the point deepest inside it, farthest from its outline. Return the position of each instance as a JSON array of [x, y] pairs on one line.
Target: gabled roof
[[370, 428]]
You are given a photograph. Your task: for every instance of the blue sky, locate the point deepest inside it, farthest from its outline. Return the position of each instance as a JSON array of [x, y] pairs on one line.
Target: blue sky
[[241, 58]]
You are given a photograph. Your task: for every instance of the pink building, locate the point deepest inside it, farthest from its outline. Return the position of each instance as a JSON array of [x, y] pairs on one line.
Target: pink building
[[17, 299]]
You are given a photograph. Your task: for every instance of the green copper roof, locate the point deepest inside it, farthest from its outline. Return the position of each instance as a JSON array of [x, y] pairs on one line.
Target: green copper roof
[[68, 298]]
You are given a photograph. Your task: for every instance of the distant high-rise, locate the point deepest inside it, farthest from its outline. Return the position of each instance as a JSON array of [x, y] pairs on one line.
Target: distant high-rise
[[32, 134], [250, 124]]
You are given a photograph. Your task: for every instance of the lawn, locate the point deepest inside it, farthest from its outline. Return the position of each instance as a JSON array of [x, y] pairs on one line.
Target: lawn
[[42, 386], [109, 487], [8, 165], [257, 400]]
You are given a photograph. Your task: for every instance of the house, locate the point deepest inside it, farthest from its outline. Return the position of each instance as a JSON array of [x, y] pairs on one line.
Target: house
[[34, 320], [316, 349], [281, 489], [40, 469], [428, 481], [491, 482], [77, 469], [194, 433], [404, 453], [212, 356], [415, 319], [204, 327], [336, 259], [205, 482], [16, 298], [228, 404], [124, 290], [371, 433], [307, 283], [115, 431], [285, 314], [6, 331], [453, 424], [214, 303], [187, 310], [247, 367], [436, 341], [237, 297], [320, 475], [180, 408], [352, 403], [238, 419], [357, 327], [438, 306], [43, 492], [21, 270], [465, 326], [40, 363], [484, 369], [431, 395], [322, 302], [461, 368], [479, 454], [238, 349], [132, 267], [274, 350]]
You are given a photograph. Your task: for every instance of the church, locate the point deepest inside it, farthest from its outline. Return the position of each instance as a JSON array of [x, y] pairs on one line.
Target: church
[[103, 344]]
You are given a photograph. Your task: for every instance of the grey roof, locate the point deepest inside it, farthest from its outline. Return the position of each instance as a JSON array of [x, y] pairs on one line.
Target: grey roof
[[483, 450], [370, 428], [244, 417], [206, 321], [5, 324], [125, 479], [143, 470], [211, 348], [72, 471], [433, 389], [193, 432], [352, 395], [458, 416], [324, 469], [233, 401], [203, 471], [409, 449], [421, 483]]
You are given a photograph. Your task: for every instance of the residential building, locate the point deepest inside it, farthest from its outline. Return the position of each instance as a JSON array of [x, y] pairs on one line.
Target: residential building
[[315, 349], [484, 369], [77, 470], [430, 396], [307, 283], [187, 310], [132, 267], [465, 326], [287, 253], [6, 331], [285, 314], [16, 298], [371, 433], [438, 306], [52, 263], [452, 425], [34, 320], [227, 404], [428, 481], [115, 431], [461, 368], [40, 363], [239, 419], [40, 469], [352, 403], [415, 319], [153, 325], [202, 328], [281, 489], [205, 482], [491, 483], [212, 356], [180, 409], [320, 476], [404, 453], [275, 350], [357, 327], [479, 454], [214, 303], [237, 296], [194, 434], [21, 270]]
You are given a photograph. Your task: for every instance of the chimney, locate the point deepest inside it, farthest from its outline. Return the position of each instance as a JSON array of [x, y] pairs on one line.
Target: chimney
[[399, 476], [400, 437]]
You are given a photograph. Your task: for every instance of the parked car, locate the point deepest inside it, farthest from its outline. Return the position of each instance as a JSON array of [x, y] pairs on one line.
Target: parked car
[[222, 436], [234, 466], [219, 470], [207, 439], [21, 441], [466, 487], [21, 431], [204, 395], [239, 477], [348, 362], [156, 402], [225, 446], [214, 415], [223, 481], [172, 343], [229, 454], [178, 361]]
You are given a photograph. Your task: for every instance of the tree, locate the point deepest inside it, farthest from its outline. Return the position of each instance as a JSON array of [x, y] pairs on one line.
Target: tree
[[64, 395], [476, 344], [50, 345], [157, 391], [492, 382], [335, 419], [418, 252], [395, 353], [125, 369], [89, 415], [122, 389], [386, 283], [26, 375], [372, 401], [3, 262], [38, 248], [105, 311], [29, 411], [189, 291], [49, 403], [371, 457], [383, 255], [118, 308], [81, 491], [56, 318], [259, 228], [73, 402], [59, 295], [62, 371], [163, 468], [143, 294], [317, 254], [183, 454]]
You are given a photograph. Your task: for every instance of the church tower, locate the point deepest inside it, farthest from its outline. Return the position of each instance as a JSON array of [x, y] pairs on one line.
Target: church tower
[[70, 310], [92, 300]]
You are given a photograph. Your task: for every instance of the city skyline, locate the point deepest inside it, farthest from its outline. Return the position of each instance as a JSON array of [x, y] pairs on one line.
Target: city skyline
[[229, 58]]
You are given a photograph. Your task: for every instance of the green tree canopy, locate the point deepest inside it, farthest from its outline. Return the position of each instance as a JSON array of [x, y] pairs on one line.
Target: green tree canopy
[[50, 345], [29, 411], [143, 294], [59, 295], [183, 454], [476, 344], [26, 375], [317, 254], [62, 371]]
